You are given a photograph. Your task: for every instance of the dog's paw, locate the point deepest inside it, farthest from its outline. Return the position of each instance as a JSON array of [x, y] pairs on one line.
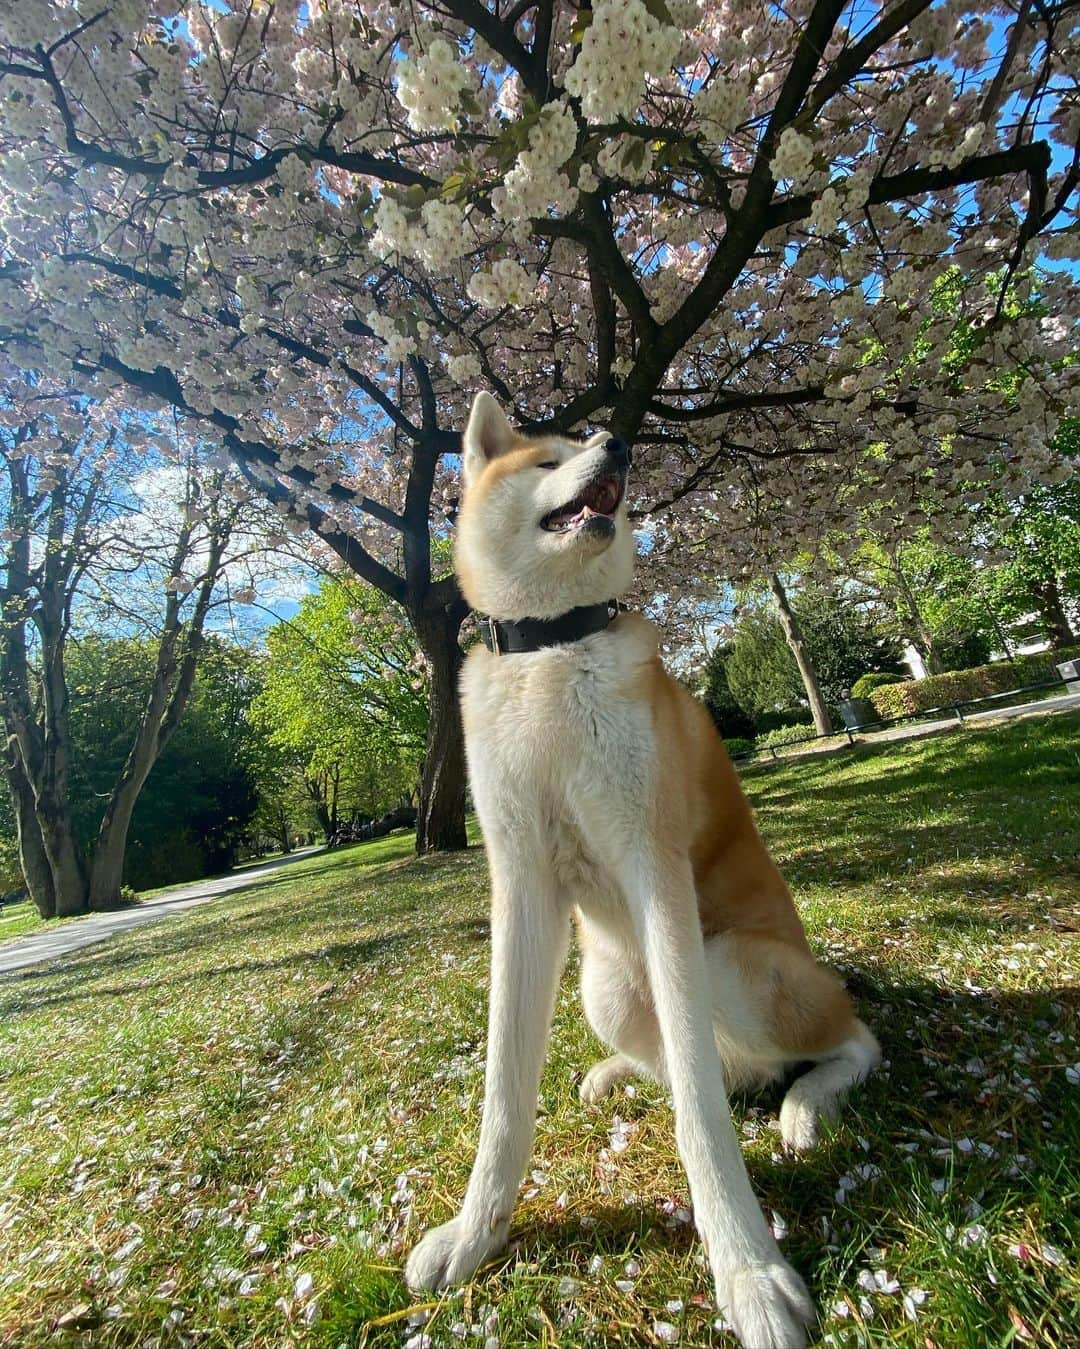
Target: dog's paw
[[451, 1254], [766, 1304], [599, 1082], [800, 1123]]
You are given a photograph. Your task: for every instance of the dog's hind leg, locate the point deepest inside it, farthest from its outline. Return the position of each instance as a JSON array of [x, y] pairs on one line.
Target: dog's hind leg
[[817, 1094], [774, 1005], [619, 1007], [604, 1076]]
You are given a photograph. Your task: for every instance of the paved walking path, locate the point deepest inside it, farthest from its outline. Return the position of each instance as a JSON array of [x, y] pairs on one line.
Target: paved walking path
[[1061, 702], [55, 941]]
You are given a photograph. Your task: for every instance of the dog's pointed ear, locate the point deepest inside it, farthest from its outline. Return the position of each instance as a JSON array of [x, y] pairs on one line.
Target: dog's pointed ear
[[487, 435]]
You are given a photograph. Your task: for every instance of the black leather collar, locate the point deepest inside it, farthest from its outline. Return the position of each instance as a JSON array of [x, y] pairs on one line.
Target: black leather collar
[[510, 636]]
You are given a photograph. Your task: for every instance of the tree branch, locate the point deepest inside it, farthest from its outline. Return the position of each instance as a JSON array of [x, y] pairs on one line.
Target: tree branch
[[1032, 159]]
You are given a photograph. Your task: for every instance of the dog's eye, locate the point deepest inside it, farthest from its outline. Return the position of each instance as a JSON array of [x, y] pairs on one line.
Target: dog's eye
[[551, 463]]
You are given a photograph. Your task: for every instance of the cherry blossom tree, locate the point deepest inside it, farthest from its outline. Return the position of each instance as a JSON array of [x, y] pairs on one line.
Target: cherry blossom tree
[[716, 227]]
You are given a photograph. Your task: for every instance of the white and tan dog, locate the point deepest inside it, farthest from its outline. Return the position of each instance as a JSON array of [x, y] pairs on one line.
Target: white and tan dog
[[603, 790]]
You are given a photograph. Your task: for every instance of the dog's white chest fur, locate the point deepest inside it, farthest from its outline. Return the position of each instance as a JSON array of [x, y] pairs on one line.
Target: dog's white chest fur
[[560, 751]]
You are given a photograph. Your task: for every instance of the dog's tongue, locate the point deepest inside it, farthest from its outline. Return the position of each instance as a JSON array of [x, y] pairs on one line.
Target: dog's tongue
[[599, 499], [567, 515]]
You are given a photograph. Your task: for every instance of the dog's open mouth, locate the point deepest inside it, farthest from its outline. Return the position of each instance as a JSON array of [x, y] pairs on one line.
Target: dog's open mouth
[[599, 500]]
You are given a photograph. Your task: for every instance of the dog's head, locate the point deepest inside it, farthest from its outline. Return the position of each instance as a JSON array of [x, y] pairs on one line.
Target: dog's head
[[543, 524]]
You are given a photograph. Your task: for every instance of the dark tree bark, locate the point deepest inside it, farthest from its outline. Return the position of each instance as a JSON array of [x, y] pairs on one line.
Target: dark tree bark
[[441, 822], [316, 788], [33, 858], [1052, 610], [795, 640]]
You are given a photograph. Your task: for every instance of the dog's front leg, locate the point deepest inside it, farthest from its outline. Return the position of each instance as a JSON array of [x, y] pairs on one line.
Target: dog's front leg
[[761, 1295], [529, 933]]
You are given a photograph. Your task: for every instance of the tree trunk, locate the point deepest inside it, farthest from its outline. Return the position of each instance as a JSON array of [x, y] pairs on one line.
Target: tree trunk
[[1058, 628], [440, 825], [65, 862], [316, 787], [33, 859], [922, 639], [174, 679], [795, 640], [107, 867], [335, 780]]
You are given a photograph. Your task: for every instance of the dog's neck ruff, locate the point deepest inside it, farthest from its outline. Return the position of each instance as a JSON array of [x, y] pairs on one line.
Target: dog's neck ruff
[[506, 637]]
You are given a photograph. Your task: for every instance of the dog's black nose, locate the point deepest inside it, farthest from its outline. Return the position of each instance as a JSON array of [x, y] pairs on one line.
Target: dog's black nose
[[619, 451]]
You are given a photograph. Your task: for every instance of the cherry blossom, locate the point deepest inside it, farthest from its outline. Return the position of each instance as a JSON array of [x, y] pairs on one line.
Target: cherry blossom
[[744, 239]]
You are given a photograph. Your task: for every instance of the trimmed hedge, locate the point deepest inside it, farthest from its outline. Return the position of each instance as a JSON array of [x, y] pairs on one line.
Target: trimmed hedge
[[961, 686], [773, 721], [786, 735], [737, 744], [867, 683]]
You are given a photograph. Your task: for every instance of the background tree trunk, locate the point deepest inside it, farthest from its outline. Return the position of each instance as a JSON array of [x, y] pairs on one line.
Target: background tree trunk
[[922, 639], [174, 679], [440, 825], [793, 633], [316, 787], [33, 860], [65, 861], [1058, 628]]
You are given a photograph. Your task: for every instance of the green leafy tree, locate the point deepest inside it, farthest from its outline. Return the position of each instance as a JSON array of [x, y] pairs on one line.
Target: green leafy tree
[[731, 718], [200, 794], [343, 696], [761, 671], [844, 639], [1040, 539]]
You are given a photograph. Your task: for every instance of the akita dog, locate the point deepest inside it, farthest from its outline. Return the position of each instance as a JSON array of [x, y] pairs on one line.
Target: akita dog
[[604, 791]]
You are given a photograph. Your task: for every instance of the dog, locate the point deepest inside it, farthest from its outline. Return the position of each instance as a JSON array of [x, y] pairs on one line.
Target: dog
[[603, 790]]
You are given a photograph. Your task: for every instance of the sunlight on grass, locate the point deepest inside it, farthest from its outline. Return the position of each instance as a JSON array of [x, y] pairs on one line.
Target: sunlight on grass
[[16, 920], [227, 1127]]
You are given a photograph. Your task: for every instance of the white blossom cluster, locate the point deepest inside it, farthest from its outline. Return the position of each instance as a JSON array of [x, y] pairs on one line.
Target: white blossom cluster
[[536, 183], [506, 282], [464, 369], [793, 157], [397, 345], [622, 45], [430, 85], [433, 236], [721, 105], [627, 157]]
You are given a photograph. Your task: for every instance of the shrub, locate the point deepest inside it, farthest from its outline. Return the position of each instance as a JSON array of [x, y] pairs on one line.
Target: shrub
[[865, 685], [737, 745], [786, 735], [961, 686], [772, 721]]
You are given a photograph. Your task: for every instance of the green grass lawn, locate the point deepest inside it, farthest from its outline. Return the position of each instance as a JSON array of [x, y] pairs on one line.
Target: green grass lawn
[[16, 920], [225, 1129]]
